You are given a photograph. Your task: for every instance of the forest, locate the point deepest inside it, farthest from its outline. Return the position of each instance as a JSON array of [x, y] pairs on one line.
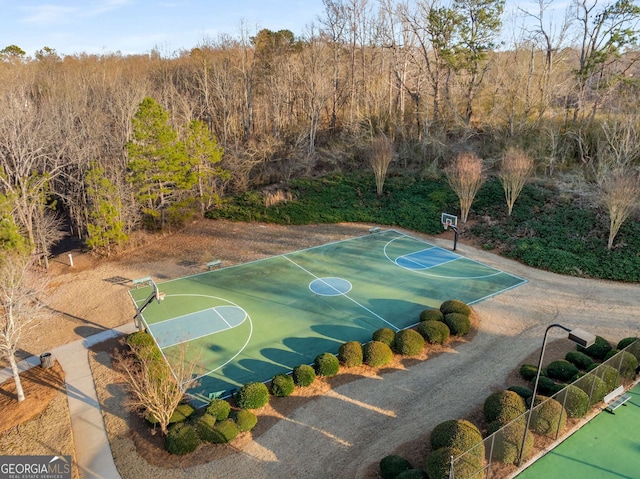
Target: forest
[[100, 146]]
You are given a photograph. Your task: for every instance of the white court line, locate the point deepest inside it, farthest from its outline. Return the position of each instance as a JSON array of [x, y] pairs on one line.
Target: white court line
[[345, 295]]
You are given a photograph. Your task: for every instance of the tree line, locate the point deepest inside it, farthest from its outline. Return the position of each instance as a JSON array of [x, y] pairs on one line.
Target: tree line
[[102, 145]]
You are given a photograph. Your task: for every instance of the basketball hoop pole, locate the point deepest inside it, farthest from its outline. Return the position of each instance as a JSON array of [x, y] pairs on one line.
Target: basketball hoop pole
[[455, 236]]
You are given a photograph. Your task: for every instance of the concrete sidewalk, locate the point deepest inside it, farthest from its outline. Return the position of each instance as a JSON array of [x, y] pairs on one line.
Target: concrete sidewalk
[[93, 452]]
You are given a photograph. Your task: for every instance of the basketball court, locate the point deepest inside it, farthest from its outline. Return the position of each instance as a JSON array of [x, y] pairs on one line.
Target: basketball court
[[250, 321]]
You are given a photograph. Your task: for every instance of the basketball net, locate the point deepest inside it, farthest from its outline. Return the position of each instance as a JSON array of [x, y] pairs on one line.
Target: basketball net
[[446, 224]]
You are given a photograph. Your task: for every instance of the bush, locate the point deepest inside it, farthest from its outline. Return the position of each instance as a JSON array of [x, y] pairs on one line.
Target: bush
[[350, 354], [439, 464], [548, 418], [598, 350], [303, 375], [434, 332], [528, 372], [219, 409], [561, 370], [376, 354], [459, 324], [627, 363], [504, 407], [326, 364], [547, 386], [431, 315], [580, 360], [595, 388], [523, 391], [144, 345], [575, 400], [252, 396], [609, 375], [626, 342], [412, 474], [204, 427], [182, 412], [391, 466], [181, 439], [459, 434], [507, 442], [455, 306], [408, 342], [282, 385], [384, 335], [245, 420], [225, 431]]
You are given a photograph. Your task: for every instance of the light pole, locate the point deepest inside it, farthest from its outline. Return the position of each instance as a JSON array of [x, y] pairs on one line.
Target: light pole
[[578, 336]]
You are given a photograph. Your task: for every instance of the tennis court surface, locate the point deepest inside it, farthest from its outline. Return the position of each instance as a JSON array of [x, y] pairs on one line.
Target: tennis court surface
[[248, 322], [607, 447]]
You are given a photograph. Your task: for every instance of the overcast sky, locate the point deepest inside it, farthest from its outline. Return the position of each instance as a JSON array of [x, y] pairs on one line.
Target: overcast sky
[[138, 26]]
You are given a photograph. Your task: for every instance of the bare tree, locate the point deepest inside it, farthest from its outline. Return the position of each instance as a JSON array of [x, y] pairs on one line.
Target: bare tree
[[465, 176], [516, 167], [20, 308], [155, 388], [380, 156], [620, 193]]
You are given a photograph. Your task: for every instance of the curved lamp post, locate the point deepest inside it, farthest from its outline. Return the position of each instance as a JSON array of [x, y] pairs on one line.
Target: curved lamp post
[[578, 336]]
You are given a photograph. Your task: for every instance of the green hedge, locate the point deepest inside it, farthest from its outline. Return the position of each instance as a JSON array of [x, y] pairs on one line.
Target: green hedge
[[439, 464], [598, 350], [392, 465], [252, 396], [528, 372], [144, 345], [458, 324], [282, 385], [523, 391], [455, 306], [181, 439], [350, 354], [626, 342], [575, 400], [204, 427], [245, 420], [503, 406], [412, 474], [508, 442], [434, 332], [326, 364], [219, 409], [547, 386], [182, 412], [579, 360], [548, 418], [595, 387], [561, 370], [609, 375], [459, 434], [224, 431], [384, 335], [376, 354], [431, 315], [627, 364], [303, 375], [408, 342]]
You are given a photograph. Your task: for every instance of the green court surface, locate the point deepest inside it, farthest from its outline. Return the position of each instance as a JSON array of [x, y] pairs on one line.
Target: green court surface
[[248, 322], [607, 447]]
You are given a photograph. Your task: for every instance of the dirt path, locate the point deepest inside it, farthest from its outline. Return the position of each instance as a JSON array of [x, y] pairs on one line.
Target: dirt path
[[344, 433]]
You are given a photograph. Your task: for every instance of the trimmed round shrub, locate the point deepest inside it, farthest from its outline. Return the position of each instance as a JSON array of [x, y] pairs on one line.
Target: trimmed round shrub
[[303, 375], [523, 391], [219, 409], [350, 354], [431, 315], [377, 354], [204, 427], [547, 386], [548, 418], [579, 360], [455, 306], [528, 372], [611, 354], [434, 332], [561, 370], [598, 350], [627, 364], [224, 431], [507, 442], [282, 385], [626, 342], [384, 335], [459, 324], [504, 407], [408, 342], [245, 420], [252, 396], [326, 364], [592, 366], [182, 412], [595, 388], [412, 474], [392, 465], [144, 346], [439, 464], [459, 434], [609, 375], [575, 400], [181, 439]]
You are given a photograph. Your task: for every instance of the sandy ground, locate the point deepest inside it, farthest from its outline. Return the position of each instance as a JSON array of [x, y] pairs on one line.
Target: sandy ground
[[344, 432]]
